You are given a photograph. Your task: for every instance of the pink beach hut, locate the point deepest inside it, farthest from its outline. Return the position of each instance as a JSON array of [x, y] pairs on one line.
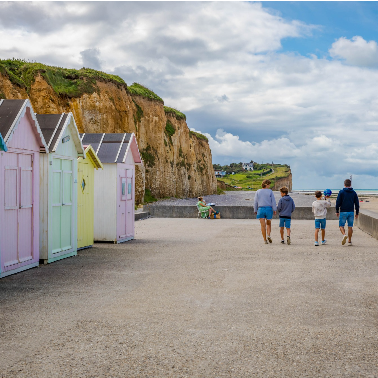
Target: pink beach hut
[[114, 186], [20, 144]]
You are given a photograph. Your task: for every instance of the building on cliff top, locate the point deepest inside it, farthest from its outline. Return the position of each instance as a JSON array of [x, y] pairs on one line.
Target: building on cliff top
[[114, 186], [19, 186], [248, 166]]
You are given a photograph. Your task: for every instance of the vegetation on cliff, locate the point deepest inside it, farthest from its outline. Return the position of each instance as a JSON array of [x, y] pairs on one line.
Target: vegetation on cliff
[[140, 90], [169, 130], [198, 136], [175, 113], [64, 81]]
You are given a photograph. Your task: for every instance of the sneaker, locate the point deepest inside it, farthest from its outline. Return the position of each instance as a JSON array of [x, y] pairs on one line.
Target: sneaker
[[324, 242], [345, 237], [282, 241], [269, 239], [350, 243], [266, 242], [288, 240], [316, 244]]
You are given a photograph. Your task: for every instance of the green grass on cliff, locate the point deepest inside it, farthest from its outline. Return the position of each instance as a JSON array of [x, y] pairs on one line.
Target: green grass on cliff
[[140, 90], [198, 136], [247, 180], [64, 81], [175, 113], [169, 130]]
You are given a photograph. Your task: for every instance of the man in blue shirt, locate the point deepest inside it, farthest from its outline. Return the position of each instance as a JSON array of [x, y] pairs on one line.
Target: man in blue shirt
[[347, 201]]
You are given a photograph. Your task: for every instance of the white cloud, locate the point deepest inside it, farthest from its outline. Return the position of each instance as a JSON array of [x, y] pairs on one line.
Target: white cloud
[[356, 51], [222, 64]]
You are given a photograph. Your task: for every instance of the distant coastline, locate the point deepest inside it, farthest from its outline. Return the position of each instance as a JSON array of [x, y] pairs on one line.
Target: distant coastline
[[373, 192]]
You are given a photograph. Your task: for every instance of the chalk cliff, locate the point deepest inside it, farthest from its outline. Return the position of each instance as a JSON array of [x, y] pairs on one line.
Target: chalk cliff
[[177, 162]]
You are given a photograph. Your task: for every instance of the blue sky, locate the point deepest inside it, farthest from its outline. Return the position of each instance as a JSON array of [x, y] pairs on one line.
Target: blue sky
[[289, 82], [335, 20]]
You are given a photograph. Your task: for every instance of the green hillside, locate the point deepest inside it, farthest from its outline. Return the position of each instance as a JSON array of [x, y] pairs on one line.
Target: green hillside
[[251, 180]]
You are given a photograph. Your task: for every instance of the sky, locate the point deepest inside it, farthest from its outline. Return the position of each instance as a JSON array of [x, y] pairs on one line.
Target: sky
[[283, 82]]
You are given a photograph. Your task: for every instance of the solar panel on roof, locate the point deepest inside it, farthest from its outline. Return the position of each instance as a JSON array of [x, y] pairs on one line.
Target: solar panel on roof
[[114, 137], [92, 138], [122, 153], [108, 152], [8, 113], [48, 123]]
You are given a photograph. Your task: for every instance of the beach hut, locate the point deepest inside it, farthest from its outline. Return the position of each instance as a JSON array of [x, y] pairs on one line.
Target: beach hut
[[21, 141], [3, 146], [114, 185], [58, 195], [85, 197]]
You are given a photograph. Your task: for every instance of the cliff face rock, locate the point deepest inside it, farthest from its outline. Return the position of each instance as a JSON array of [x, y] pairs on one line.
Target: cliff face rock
[[284, 181], [177, 162]]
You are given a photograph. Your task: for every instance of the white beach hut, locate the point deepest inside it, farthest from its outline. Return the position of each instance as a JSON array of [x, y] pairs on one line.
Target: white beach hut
[[114, 187]]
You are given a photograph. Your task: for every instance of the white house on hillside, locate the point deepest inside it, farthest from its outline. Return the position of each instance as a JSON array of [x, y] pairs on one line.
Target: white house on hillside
[[248, 166]]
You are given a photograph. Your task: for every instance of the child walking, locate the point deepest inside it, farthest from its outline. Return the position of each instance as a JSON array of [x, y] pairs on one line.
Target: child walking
[[265, 206], [285, 207], [319, 208]]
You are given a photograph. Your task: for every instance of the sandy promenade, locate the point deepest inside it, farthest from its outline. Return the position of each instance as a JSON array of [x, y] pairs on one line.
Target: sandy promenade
[[197, 298]]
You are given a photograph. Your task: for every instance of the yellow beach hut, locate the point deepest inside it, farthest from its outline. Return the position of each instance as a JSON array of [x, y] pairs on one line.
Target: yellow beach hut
[[85, 197]]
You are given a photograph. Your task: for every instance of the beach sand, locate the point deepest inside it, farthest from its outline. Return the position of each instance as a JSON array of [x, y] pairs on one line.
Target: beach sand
[[371, 205]]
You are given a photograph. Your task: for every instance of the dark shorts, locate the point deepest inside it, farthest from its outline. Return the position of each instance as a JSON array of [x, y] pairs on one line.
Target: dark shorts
[[285, 222]]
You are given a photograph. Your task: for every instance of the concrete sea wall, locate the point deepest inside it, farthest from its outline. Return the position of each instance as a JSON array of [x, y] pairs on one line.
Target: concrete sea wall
[[368, 221], [227, 212]]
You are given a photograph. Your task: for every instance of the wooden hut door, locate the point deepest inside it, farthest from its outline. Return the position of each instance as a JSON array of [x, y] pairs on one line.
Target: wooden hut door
[[62, 206], [18, 210], [129, 203], [121, 216]]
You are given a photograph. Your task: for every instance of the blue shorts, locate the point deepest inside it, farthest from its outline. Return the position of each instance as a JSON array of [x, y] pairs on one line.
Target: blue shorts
[[346, 217], [285, 222], [320, 223], [265, 212]]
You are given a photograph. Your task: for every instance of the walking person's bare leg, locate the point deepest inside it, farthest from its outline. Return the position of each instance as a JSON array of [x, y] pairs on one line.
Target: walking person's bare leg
[[263, 228], [316, 234], [282, 233], [342, 229], [288, 231], [323, 234], [268, 226], [350, 233]]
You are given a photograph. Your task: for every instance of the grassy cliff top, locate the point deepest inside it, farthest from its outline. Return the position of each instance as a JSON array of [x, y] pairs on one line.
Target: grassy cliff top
[[64, 81], [175, 113], [251, 180], [198, 136], [143, 91]]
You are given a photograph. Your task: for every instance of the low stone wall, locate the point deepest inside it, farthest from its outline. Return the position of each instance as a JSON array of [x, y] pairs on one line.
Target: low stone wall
[[368, 221], [227, 212]]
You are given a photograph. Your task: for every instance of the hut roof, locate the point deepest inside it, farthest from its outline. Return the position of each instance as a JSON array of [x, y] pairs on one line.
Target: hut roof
[[91, 154], [54, 125], [11, 112], [112, 147]]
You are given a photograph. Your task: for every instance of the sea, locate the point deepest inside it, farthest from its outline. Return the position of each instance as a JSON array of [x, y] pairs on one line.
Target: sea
[[365, 192]]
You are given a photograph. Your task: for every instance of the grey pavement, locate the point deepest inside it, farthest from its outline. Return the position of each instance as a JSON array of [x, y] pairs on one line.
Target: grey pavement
[[197, 298]]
